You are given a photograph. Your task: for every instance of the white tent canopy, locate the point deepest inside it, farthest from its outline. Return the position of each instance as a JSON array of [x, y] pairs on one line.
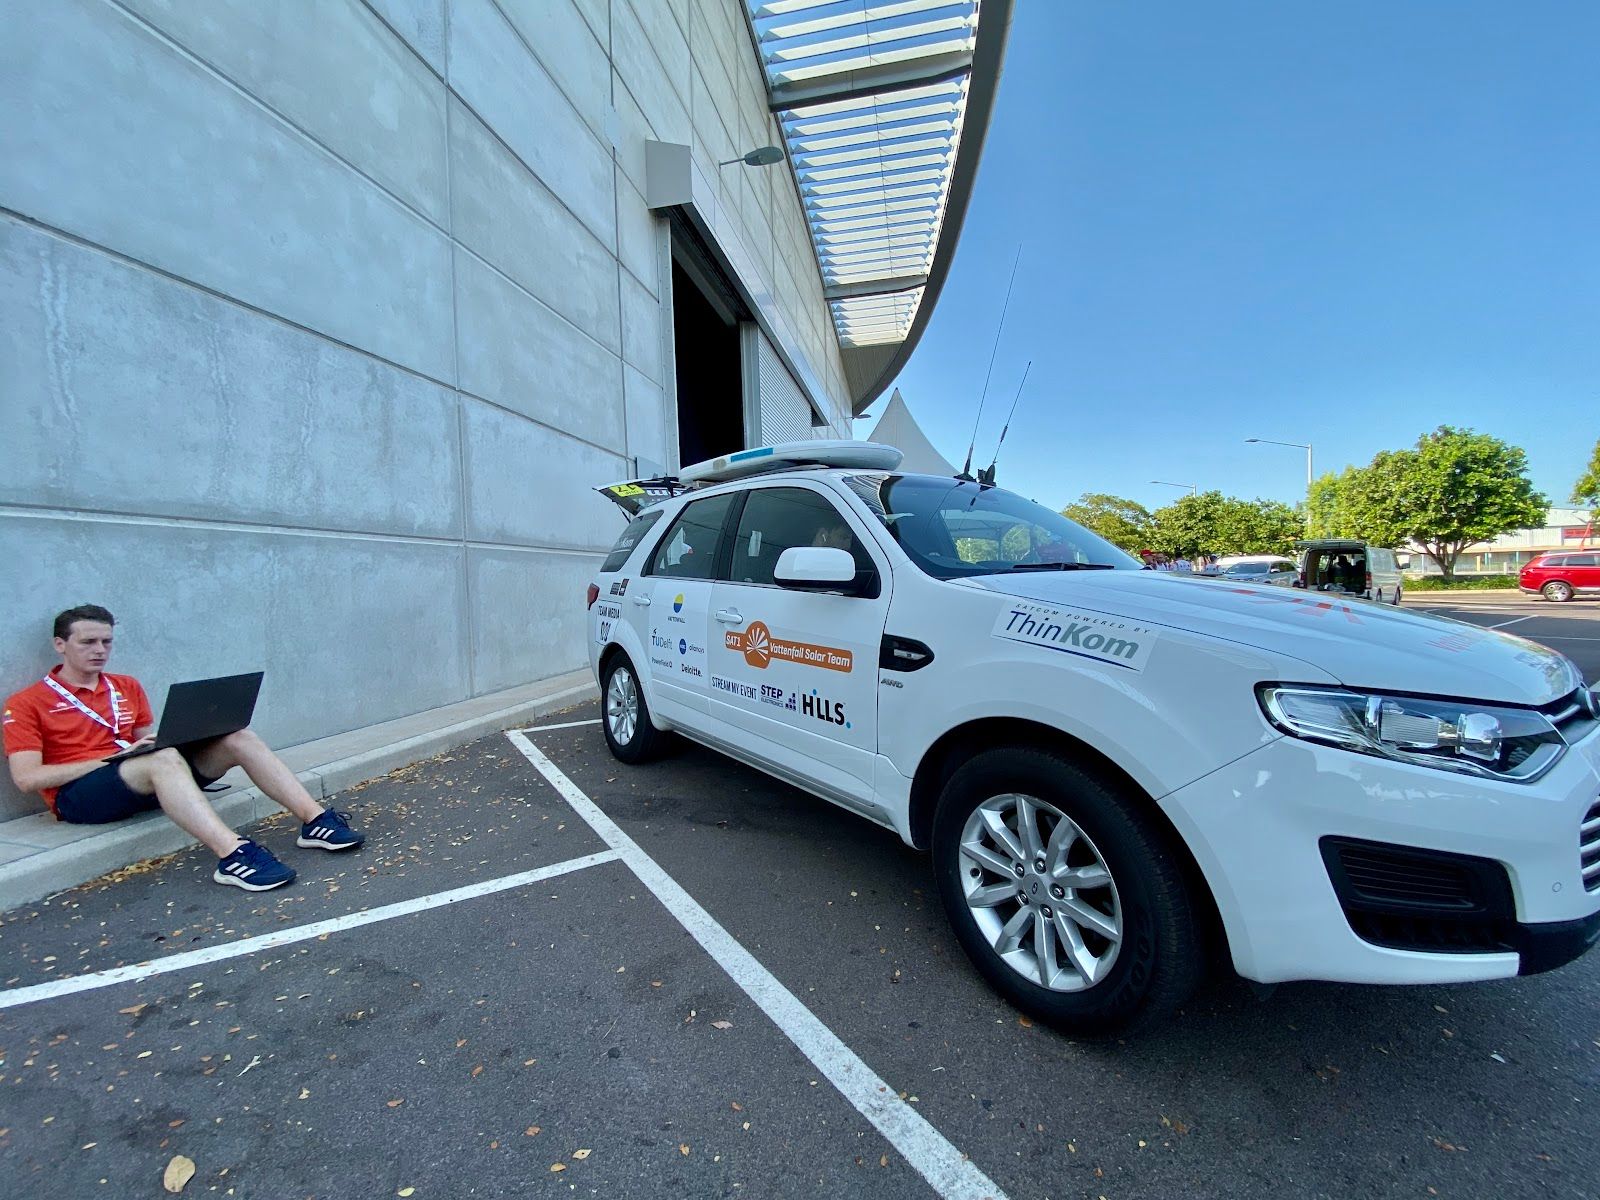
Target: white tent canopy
[[898, 428]]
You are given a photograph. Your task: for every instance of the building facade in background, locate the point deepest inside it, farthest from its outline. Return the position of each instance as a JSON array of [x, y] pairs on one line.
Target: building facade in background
[[1564, 529], [319, 322]]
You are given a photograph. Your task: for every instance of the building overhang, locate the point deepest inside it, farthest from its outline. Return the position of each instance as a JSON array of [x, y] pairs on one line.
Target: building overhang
[[883, 105]]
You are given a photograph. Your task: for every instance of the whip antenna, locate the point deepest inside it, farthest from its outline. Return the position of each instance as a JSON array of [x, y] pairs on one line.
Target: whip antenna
[[988, 476], [966, 471]]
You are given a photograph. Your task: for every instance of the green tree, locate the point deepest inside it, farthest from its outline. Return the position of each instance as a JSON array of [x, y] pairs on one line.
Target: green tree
[[1211, 523], [1326, 515], [1125, 523], [1455, 489], [1587, 489]]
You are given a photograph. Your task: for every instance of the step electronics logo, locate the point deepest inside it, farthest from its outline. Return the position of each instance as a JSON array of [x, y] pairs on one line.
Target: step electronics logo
[[759, 648]]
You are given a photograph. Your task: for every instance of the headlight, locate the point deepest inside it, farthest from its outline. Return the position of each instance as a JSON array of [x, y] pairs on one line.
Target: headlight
[[1452, 735]]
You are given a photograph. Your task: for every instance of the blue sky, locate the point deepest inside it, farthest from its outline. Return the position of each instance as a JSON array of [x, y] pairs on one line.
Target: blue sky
[[1337, 223]]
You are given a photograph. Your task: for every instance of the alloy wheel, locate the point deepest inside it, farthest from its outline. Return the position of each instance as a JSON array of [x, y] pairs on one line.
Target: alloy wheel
[[622, 706], [1040, 892]]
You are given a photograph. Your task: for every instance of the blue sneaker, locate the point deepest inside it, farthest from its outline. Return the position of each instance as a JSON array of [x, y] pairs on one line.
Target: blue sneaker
[[330, 831], [252, 868]]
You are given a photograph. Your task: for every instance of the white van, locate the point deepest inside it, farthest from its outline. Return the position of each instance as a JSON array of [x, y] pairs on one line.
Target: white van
[[1351, 567]]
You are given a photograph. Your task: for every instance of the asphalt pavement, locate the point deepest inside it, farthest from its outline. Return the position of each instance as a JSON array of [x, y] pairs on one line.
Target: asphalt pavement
[[548, 973]]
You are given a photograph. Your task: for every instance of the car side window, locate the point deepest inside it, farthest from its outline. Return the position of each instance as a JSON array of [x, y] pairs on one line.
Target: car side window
[[1583, 560], [631, 537], [774, 519], [689, 550]]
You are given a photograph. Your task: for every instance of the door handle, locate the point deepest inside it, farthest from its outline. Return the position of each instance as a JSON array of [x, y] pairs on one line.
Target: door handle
[[729, 616], [642, 601]]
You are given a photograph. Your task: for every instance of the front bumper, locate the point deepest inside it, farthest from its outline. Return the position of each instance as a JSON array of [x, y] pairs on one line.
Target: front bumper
[[1257, 828]]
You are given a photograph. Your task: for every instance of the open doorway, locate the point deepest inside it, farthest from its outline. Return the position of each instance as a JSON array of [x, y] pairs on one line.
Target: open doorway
[[706, 315]]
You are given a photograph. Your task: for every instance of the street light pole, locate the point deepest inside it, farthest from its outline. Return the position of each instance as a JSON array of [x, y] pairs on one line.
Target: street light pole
[[1194, 488], [1306, 446]]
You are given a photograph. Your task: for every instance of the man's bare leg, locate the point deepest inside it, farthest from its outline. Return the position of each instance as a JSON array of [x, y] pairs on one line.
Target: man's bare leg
[[265, 769], [166, 775]]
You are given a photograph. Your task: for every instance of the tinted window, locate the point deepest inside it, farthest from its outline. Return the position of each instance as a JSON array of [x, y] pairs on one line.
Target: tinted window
[[1249, 569], [951, 529], [630, 538], [1551, 560], [774, 519], [1583, 560], [689, 551]]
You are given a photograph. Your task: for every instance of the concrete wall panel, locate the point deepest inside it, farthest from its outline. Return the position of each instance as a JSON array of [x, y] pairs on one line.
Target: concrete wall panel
[[511, 219], [325, 617], [527, 598], [567, 48], [143, 395], [651, 428], [644, 324], [334, 70], [493, 72], [655, 72], [524, 357], [641, 237], [527, 485], [183, 172], [420, 23]]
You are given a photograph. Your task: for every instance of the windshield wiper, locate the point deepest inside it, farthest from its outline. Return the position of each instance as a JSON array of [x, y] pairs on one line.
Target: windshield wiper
[[1062, 566]]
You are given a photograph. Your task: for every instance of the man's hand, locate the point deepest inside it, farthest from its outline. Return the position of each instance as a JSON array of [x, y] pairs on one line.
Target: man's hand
[[148, 740]]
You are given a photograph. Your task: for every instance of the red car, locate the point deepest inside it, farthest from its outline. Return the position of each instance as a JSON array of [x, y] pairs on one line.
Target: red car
[[1562, 576]]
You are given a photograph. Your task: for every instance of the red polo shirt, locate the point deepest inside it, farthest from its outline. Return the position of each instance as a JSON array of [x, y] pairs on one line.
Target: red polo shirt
[[40, 718]]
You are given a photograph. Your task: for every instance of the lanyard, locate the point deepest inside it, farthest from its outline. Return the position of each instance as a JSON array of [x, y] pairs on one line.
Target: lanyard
[[116, 708]]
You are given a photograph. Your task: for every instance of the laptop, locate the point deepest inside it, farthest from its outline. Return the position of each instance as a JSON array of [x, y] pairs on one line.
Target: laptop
[[200, 710]]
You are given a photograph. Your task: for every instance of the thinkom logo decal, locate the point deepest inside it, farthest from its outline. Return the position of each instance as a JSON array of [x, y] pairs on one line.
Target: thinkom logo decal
[[1104, 639], [759, 648]]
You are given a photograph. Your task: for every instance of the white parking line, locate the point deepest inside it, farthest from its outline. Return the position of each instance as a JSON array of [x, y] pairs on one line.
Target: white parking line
[[919, 1143], [299, 933], [563, 725], [1513, 621]]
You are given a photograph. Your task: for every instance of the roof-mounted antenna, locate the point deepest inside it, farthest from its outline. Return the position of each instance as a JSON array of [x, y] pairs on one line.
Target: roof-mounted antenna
[[987, 477], [966, 471]]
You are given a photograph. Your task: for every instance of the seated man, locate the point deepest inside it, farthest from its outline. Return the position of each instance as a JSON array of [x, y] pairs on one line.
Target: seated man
[[59, 731]]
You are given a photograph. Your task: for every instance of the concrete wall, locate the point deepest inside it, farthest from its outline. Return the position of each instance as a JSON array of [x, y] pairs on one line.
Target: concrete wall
[[319, 321]]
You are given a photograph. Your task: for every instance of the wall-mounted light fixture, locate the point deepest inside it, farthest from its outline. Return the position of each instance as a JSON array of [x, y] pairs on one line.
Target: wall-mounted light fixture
[[761, 156]]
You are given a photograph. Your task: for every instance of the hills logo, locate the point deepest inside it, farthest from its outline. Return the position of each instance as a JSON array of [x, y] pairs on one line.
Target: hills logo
[[831, 711]]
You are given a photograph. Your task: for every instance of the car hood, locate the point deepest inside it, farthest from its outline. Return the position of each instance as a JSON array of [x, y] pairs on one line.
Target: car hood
[[1360, 643]]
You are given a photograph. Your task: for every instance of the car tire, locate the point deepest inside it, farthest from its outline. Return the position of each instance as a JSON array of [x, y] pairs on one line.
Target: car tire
[[625, 716], [1395, 599], [1557, 591], [1117, 953]]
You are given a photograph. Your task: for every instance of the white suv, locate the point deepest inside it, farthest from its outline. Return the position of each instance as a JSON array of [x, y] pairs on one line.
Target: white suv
[[1122, 774]]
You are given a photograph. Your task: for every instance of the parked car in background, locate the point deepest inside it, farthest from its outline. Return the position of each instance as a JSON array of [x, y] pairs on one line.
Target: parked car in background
[[1560, 577], [1255, 568], [1352, 567]]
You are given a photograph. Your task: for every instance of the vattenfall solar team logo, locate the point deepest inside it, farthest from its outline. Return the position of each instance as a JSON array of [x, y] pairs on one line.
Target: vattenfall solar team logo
[[677, 602], [677, 607]]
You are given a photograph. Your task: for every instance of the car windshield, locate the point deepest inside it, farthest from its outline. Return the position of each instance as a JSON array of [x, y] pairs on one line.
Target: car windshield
[[951, 528], [1249, 569]]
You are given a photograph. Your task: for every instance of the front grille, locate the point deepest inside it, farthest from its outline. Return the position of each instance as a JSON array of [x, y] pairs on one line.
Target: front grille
[[1571, 717], [1409, 898], [1589, 848]]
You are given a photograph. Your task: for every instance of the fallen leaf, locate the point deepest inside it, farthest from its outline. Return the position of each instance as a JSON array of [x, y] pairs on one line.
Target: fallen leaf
[[305, 1093], [683, 1149], [737, 1107], [396, 1103], [531, 1131], [405, 1191], [580, 1155], [655, 983], [1024, 1022], [558, 1166], [133, 1010], [883, 1160], [179, 1171], [477, 1070], [722, 1024]]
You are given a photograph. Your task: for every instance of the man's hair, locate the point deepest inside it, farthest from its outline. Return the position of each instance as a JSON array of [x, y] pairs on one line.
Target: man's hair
[[84, 612]]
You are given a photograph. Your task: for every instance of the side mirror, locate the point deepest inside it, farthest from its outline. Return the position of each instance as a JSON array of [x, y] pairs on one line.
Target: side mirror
[[816, 569]]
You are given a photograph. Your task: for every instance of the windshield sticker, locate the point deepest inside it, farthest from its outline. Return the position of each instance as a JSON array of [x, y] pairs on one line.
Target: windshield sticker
[[759, 648], [1119, 643]]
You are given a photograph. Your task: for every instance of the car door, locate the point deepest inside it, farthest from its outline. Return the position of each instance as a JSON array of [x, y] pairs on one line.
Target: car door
[[670, 606], [1583, 571], [793, 674]]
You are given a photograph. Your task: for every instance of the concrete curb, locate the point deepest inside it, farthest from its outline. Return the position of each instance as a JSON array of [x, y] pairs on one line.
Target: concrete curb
[[57, 868]]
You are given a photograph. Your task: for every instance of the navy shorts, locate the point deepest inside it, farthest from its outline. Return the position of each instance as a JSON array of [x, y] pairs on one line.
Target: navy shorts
[[102, 796]]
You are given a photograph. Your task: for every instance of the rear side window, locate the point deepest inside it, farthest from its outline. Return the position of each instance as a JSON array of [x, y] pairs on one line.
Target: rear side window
[[689, 551], [1583, 560], [631, 537], [1551, 560]]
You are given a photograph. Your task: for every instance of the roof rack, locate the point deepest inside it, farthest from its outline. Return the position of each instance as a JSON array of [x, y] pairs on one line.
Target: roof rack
[[823, 452]]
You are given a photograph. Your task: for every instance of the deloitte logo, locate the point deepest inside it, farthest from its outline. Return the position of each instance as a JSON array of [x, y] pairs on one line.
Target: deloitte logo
[[677, 603]]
